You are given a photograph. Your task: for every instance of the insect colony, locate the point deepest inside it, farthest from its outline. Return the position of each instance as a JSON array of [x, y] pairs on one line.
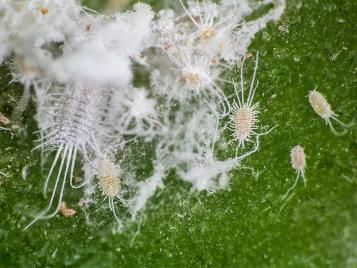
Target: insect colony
[[77, 66]]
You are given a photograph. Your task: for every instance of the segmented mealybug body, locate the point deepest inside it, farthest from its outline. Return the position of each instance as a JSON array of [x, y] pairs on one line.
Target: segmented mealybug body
[[321, 106], [244, 115], [298, 159], [73, 117], [244, 122], [69, 121], [109, 182], [298, 162], [243, 119]]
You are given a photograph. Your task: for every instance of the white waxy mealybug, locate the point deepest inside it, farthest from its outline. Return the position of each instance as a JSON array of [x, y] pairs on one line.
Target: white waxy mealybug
[[323, 109], [244, 121], [211, 31], [298, 162], [244, 115], [193, 77], [109, 182], [203, 17], [68, 120]]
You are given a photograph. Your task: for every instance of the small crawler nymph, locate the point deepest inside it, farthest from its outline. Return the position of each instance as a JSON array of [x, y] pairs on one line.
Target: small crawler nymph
[[4, 121], [298, 162], [109, 183], [65, 211], [323, 109]]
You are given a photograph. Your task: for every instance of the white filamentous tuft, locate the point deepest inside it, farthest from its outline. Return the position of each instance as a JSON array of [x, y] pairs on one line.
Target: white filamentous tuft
[[134, 113]]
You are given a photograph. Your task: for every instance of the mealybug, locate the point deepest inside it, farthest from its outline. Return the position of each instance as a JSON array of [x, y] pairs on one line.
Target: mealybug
[[323, 109], [69, 120], [4, 121], [244, 114], [65, 211], [110, 184], [298, 162]]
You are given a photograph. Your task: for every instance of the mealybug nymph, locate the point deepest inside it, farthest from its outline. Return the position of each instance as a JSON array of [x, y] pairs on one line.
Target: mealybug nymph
[[4, 121], [244, 114], [65, 211], [323, 109], [110, 184], [298, 162]]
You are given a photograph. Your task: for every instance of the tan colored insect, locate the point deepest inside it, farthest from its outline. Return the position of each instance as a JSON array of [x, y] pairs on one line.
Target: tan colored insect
[[44, 11], [298, 162], [66, 212], [110, 184], [321, 106], [4, 121]]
